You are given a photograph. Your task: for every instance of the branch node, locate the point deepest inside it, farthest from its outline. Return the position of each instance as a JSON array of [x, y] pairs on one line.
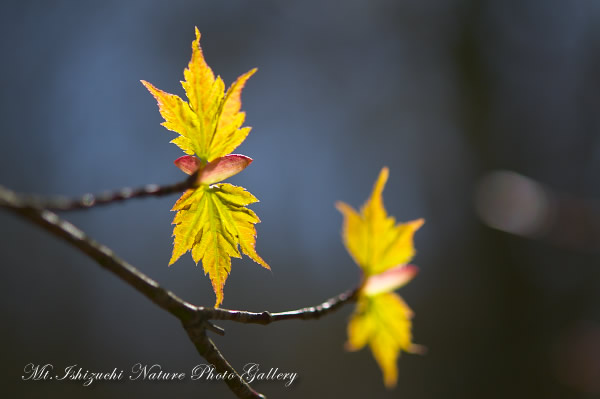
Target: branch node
[[267, 316]]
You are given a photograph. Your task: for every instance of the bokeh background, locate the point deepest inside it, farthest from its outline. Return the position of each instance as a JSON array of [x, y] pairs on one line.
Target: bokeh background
[[486, 112]]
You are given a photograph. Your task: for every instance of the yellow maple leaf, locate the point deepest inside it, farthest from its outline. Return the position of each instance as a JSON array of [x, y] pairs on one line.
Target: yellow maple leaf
[[210, 123], [384, 322], [212, 220], [382, 249], [374, 240]]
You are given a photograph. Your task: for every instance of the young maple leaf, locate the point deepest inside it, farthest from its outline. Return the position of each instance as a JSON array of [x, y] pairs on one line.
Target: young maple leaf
[[212, 220], [382, 249]]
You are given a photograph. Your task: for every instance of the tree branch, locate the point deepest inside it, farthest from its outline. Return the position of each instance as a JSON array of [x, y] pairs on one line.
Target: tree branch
[[313, 312], [192, 318], [208, 350], [195, 319], [103, 255], [87, 201]]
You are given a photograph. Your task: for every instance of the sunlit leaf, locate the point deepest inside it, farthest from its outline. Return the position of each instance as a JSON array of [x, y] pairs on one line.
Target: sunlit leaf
[[210, 123], [214, 224], [212, 220], [373, 239], [383, 322], [382, 249]]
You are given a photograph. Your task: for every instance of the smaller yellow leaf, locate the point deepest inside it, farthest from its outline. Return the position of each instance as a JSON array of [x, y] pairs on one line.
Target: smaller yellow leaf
[[383, 322], [374, 240], [382, 249]]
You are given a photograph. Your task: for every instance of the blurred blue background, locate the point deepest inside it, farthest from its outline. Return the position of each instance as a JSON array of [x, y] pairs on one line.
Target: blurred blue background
[[486, 113]]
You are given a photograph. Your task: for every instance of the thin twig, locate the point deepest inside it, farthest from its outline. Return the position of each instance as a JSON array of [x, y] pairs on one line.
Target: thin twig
[[103, 255], [87, 201], [313, 312]]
